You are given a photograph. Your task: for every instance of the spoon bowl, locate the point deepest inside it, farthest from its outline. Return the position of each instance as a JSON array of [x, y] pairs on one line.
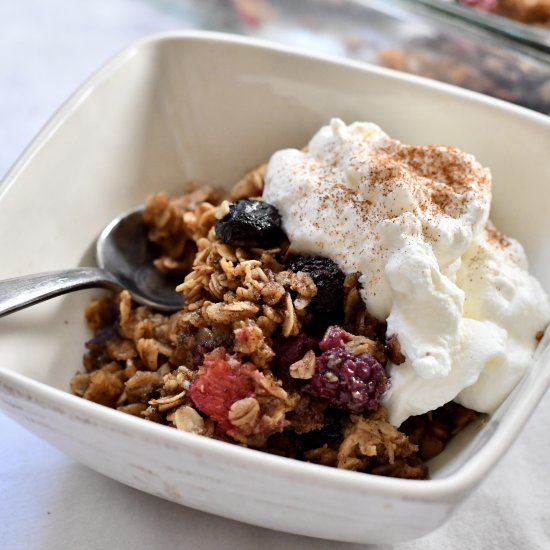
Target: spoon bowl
[[125, 259]]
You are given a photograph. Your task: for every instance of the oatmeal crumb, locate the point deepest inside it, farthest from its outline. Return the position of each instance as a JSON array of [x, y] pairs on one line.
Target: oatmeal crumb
[[304, 368], [239, 304], [188, 419], [244, 414]]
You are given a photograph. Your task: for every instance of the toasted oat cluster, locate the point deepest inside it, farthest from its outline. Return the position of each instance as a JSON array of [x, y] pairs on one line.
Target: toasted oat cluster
[[271, 350]]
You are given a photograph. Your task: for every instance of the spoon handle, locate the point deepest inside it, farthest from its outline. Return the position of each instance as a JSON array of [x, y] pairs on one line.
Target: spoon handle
[[21, 292]]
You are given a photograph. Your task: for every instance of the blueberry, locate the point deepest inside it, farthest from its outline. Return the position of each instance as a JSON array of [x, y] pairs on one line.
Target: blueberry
[[251, 223], [329, 280]]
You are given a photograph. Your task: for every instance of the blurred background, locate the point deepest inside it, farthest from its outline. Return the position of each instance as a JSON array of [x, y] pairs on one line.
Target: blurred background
[[47, 49]]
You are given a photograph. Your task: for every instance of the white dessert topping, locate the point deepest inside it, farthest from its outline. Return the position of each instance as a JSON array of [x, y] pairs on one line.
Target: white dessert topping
[[414, 221]]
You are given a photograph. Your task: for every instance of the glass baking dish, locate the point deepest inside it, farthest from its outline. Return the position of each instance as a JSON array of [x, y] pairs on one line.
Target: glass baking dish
[[535, 35], [408, 35]]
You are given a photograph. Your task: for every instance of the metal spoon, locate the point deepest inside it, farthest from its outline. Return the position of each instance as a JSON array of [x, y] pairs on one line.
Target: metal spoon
[[124, 255]]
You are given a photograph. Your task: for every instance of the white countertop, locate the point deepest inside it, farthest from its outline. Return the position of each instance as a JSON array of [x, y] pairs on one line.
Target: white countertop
[[48, 501]]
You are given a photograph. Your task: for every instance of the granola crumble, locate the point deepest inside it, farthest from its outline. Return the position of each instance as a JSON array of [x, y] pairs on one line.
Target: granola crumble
[[237, 362]]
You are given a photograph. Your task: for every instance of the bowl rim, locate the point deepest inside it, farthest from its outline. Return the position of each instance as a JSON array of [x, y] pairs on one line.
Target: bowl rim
[[153, 40], [457, 482]]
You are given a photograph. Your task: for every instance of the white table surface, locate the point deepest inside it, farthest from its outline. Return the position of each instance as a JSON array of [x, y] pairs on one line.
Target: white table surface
[[48, 501]]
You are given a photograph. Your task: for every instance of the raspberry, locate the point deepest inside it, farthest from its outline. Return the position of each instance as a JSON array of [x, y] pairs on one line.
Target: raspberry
[[335, 337], [251, 223], [222, 380], [348, 382], [329, 280]]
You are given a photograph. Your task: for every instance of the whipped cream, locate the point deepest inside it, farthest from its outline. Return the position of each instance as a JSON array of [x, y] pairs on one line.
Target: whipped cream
[[413, 220]]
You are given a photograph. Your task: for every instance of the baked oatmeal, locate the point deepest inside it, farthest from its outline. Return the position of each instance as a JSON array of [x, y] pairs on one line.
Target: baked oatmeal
[[303, 332]]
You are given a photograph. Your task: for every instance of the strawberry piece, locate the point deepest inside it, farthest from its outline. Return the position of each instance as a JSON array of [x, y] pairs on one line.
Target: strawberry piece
[[221, 381]]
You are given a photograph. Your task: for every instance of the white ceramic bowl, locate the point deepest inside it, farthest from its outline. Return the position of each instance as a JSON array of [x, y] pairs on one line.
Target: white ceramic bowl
[[199, 105]]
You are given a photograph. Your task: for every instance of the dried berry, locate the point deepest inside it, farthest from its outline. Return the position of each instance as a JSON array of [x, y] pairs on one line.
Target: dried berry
[[251, 223], [329, 280], [221, 381], [331, 433], [101, 336], [292, 349], [348, 382]]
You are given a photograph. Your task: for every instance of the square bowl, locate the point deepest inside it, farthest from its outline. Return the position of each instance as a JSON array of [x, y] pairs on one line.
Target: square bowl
[[204, 106]]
